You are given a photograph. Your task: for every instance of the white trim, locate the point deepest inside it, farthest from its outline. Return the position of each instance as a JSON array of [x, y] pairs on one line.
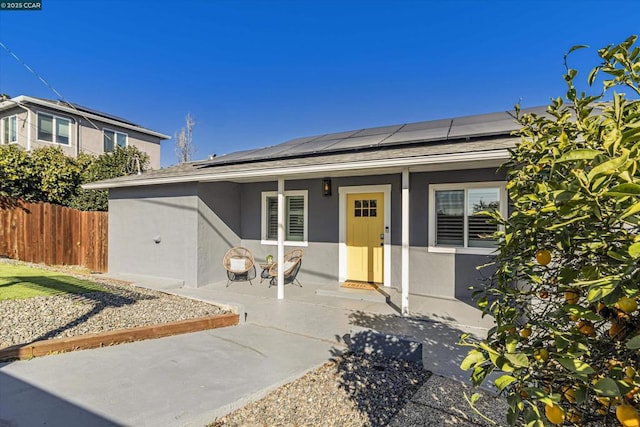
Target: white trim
[[497, 156], [281, 235], [263, 214], [501, 185], [69, 110], [115, 139], [405, 243], [54, 120], [342, 224]]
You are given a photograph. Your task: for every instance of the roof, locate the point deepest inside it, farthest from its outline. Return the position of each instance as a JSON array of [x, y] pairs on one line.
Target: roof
[[481, 139], [79, 110]]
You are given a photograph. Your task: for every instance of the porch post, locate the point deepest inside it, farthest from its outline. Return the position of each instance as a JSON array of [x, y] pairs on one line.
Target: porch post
[[405, 242], [280, 259]]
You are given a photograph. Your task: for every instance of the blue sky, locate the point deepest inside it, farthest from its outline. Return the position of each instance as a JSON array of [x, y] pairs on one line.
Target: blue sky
[[257, 73]]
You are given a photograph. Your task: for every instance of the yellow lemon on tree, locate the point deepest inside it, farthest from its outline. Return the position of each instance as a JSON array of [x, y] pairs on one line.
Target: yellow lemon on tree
[[572, 296], [628, 416], [615, 329], [570, 394], [628, 305], [525, 333], [554, 413], [543, 256], [541, 354], [586, 328]]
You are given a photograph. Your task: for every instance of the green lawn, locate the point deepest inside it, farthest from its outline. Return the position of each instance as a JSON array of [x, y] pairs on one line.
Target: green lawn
[[19, 282]]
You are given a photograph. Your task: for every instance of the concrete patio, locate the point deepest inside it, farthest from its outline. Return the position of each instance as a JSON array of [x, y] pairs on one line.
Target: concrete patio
[[191, 379]]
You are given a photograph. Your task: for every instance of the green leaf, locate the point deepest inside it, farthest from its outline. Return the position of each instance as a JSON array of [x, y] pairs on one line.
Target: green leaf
[[519, 360], [634, 343], [504, 381], [596, 293], [511, 343], [473, 359], [609, 167], [564, 224], [626, 189], [576, 366], [576, 47], [632, 210], [634, 250], [583, 154], [606, 387]]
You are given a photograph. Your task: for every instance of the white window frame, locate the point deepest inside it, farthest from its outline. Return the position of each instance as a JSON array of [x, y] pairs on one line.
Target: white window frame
[[3, 123], [501, 185], [263, 213], [54, 119], [115, 138]]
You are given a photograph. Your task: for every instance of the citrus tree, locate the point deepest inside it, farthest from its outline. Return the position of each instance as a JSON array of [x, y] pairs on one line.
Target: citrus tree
[[565, 349]]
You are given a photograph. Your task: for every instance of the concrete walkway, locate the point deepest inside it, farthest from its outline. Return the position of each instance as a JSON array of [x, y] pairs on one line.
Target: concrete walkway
[[191, 379]]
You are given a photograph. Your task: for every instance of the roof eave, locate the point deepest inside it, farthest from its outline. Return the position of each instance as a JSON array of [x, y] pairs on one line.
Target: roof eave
[[27, 99], [497, 156]]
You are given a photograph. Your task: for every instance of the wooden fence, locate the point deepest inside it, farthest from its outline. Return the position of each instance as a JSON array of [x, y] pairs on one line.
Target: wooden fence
[[54, 235]]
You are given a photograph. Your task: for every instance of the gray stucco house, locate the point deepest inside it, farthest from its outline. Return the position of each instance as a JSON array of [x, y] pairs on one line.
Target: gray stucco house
[[393, 205], [35, 122]]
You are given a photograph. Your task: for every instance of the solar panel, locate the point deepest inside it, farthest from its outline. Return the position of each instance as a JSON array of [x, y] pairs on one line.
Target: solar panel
[[383, 136]]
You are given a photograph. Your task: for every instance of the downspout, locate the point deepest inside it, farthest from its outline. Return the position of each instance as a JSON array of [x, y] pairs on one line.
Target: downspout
[[78, 122], [28, 129]]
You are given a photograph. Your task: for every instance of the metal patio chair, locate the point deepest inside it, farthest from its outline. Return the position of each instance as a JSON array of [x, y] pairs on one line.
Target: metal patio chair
[[240, 265], [292, 263]]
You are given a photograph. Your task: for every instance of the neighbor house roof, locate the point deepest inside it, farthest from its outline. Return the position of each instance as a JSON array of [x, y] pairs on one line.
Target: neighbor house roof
[[78, 110], [482, 140]]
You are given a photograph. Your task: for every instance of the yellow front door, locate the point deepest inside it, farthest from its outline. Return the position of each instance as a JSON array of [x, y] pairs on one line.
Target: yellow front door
[[365, 237]]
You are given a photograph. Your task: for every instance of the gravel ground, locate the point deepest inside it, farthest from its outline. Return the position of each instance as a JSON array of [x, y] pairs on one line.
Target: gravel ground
[[123, 306], [359, 390]]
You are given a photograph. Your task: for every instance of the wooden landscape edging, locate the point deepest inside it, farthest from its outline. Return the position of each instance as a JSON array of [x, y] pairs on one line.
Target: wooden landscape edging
[[82, 342]]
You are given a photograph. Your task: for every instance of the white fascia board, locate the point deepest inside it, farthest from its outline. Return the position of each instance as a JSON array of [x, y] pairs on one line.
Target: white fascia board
[[30, 100], [289, 172]]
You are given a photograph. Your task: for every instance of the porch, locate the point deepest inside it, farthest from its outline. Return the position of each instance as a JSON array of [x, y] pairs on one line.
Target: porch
[[260, 303]]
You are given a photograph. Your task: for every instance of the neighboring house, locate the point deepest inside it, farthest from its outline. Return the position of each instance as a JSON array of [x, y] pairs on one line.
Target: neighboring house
[[393, 205], [35, 122]]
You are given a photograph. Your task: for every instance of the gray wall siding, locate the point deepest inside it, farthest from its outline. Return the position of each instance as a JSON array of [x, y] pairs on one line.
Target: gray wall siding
[[467, 274], [323, 211], [198, 223], [441, 274], [218, 228], [138, 215]]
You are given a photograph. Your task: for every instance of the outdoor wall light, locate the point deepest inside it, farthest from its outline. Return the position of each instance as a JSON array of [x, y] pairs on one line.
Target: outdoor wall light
[[157, 239], [326, 187]]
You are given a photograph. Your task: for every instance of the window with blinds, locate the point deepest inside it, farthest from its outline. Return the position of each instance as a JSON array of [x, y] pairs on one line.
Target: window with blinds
[[450, 218], [458, 218], [294, 217], [45, 128], [53, 129], [479, 227]]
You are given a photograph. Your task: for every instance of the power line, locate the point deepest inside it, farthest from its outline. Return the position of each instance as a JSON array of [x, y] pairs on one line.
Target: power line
[[39, 77]]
